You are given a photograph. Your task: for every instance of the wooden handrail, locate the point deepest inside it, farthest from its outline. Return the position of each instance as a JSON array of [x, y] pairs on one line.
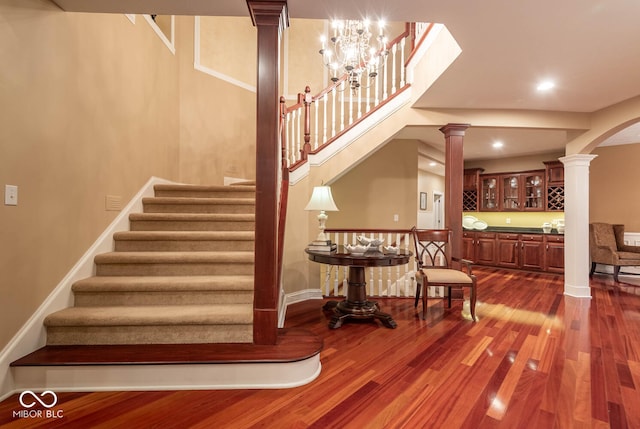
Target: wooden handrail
[[301, 147]]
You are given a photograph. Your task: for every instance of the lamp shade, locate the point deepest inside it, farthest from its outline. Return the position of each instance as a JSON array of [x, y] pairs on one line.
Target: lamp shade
[[322, 200]]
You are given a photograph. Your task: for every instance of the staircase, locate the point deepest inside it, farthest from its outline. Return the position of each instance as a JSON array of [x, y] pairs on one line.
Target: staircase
[[183, 274]]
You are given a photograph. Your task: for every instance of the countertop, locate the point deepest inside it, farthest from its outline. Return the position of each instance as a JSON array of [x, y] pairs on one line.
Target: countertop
[[515, 230]]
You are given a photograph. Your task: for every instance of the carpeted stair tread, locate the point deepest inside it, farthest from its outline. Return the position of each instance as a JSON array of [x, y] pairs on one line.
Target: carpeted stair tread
[[184, 235], [198, 200], [173, 257], [170, 190], [195, 217], [163, 284], [198, 205], [150, 315]]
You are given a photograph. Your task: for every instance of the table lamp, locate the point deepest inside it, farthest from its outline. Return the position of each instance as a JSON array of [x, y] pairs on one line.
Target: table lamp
[[322, 200]]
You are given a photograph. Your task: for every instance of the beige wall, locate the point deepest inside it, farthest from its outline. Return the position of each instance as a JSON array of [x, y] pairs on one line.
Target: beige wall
[[383, 185], [217, 118], [89, 108], [614, 196]]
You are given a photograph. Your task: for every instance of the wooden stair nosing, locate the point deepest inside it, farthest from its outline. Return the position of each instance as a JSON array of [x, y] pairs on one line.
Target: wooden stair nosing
[[292, 345]]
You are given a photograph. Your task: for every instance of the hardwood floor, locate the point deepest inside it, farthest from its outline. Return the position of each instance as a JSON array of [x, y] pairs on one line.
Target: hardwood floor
[[535, 359]]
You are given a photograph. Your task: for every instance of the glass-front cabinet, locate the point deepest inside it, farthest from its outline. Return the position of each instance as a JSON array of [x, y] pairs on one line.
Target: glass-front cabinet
[[489, 195], [511, 199], [534, 191]]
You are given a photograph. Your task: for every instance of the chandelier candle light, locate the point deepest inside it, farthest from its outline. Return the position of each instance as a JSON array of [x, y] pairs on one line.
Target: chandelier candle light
[[351, 51], [322, 200]]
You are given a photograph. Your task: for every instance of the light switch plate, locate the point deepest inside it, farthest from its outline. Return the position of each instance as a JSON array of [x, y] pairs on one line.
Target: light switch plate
[[10, 195]]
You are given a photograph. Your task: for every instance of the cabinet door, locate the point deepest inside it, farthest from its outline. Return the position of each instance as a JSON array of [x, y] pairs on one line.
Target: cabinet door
[[510, 191], [489, 198], [531, 252], [555, 172], [554, 254], [486, 248], [534, 191], [469, 246], [507, 250]]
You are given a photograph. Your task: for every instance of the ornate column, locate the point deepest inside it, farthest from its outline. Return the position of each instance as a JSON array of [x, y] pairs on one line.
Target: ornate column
[[576, 232], [453, 178], [270, 18]]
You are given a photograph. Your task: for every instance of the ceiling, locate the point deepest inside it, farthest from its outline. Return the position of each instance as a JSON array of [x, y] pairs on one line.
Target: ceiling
[[588, 47]]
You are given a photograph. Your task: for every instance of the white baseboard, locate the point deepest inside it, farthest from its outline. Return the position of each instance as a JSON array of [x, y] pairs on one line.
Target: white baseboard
[[32, 335], [293, 298], [96, 378]]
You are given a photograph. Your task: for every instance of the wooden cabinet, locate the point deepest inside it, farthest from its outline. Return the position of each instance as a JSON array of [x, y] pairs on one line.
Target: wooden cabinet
[[554, 172], [470, 186], [523, 191], [520, 251], [479, 247], [554, 253], [536, 252], [536, 190]]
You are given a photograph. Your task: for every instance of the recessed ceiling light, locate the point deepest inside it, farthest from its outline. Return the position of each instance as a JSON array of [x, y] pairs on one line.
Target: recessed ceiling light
[[545, 85], [432, 164], [497, 145]]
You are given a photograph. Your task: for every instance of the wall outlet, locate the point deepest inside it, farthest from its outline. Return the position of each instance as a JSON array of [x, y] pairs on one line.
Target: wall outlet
[[508, 220], [396, 218], [10, 195]]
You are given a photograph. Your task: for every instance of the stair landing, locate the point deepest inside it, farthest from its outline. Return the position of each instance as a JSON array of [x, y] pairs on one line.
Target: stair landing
[[293, 361]]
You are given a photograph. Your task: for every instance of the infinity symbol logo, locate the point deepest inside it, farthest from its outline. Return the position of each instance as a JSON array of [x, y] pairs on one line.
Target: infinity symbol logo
[[39, 399]]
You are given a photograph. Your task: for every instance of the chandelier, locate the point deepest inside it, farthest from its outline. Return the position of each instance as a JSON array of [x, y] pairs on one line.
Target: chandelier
[[351, 50]]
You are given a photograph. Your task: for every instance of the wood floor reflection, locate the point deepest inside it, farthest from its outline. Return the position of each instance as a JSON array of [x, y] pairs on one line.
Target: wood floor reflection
[[535, 359]]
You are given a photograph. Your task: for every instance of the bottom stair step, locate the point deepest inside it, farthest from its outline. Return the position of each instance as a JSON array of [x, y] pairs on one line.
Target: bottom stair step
[[152, 324]]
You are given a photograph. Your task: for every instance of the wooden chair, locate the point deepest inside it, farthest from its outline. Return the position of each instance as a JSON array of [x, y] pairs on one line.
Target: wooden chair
[[606, 247], [434, 267]]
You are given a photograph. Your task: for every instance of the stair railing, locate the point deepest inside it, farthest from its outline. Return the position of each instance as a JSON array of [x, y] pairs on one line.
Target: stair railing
[[314, 122]]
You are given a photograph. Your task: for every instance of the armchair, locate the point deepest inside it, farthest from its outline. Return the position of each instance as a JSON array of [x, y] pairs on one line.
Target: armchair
[[606, 247], [434, 267]]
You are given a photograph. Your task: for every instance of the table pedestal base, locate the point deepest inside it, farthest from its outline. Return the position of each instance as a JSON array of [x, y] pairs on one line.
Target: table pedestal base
[[356, 306], [343, 310]]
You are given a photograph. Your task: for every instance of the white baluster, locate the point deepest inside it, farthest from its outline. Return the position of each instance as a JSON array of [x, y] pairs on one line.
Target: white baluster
[[324, 119], [314, 106], [385, 73], [342, 112], [351, 107], [393, 68], [292, 137], [377, 90], [333, 112], [402, 45], [359, 101]]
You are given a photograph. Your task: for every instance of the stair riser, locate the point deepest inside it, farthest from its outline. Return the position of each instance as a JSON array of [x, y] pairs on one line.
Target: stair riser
[[160, 269], [200, 208], [163, 334], [162, 298], [142, 225], [206, 194], [178, 246]]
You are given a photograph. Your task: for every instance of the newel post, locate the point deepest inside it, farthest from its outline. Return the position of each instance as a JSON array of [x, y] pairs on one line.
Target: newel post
[[453, 183], [270, 18]]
